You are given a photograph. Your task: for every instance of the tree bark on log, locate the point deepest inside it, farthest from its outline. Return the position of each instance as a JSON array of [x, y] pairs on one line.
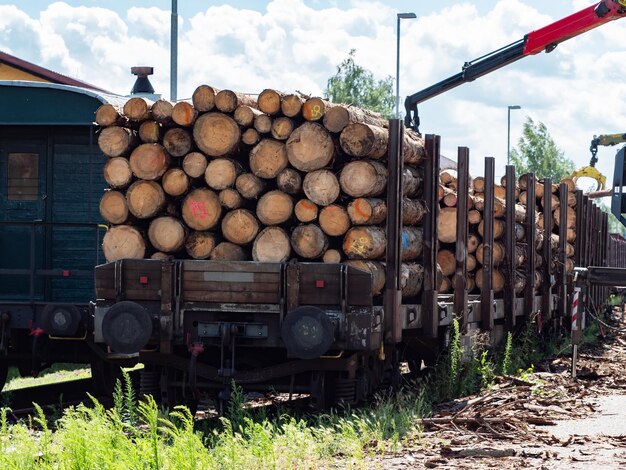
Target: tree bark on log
[[167, 234], [499, 226], [117, 172], [145, 199], [412, 243], [334, 220], [321, 187], [364, 141], [367, 211], [203, 98], [271, 245], [497, 277], [199, 245], [412, 180], [523, 184], [113, 207], [240, 226], [268, 158], [177, 141], [117, 141], [274, 208], [520, 232], [306, 211], [216, 134], [123, 241], [447, 262], [289, 181], [310, 147], [571, 217], [201, 209], [363, 178], [149, 161], [413, 150], [411, 279], [497, 253], [337, 118], [309, 241], [365, 242]]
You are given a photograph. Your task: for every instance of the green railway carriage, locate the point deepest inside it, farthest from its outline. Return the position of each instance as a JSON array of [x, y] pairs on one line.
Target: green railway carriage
[[50, 230]]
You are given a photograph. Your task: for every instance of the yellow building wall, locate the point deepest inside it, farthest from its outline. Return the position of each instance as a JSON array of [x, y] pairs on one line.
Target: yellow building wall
[[8, 72]]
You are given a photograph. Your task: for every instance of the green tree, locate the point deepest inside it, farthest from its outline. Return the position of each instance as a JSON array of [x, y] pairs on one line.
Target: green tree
[[537, 152], [615, 226], [353, 84]]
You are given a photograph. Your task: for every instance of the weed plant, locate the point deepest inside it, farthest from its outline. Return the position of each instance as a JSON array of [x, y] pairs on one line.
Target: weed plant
[[140, 435]]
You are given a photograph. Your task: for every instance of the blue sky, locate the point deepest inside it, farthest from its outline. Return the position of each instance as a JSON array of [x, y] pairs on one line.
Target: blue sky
[[577, 91]]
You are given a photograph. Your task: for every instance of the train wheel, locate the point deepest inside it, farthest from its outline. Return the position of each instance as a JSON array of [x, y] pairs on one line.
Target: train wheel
[[323, 387], [175, 391]]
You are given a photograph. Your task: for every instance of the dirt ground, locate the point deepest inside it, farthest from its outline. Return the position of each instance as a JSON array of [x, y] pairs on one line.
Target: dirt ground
[[547, 420]]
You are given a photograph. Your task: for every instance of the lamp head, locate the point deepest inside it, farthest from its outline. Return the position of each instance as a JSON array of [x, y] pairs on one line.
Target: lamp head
[[406, 16]]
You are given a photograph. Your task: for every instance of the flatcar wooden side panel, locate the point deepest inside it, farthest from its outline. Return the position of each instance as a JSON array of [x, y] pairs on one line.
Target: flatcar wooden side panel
[[241, 282]]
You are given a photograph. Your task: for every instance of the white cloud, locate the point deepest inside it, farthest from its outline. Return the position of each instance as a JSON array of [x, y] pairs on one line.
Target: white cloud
[[577, 91]]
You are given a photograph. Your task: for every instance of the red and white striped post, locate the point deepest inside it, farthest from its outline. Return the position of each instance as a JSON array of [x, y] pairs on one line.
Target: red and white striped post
[[575, 329]]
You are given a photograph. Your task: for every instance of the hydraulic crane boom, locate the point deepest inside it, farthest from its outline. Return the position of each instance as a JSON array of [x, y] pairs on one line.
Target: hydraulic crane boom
[[544, 39]]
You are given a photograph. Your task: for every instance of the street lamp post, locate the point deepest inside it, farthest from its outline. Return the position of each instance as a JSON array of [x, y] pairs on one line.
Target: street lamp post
[[401, 16], [508, 134]]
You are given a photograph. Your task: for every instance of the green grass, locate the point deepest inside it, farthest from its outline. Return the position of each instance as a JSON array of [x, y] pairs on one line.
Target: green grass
[[48, 377], [141, 435], [147, 437]]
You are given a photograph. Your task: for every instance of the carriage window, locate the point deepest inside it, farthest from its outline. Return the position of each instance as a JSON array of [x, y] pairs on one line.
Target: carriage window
[[23, 176]]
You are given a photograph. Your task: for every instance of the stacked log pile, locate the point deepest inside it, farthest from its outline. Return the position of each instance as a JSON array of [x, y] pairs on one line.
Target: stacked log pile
[[228, 177], [446, 231]]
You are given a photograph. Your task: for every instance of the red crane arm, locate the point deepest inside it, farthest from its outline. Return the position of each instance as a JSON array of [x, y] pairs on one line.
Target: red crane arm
[[547, 38], [543, 39]]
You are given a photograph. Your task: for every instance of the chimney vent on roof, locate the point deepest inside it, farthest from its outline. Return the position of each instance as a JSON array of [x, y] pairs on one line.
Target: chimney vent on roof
[[142, 84]]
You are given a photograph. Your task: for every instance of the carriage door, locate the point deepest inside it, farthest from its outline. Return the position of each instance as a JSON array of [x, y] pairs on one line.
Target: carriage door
[[22, 209]]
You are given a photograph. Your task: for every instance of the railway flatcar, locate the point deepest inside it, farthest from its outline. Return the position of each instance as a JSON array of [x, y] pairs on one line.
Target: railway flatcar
[[50, 228], [329, 329]]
